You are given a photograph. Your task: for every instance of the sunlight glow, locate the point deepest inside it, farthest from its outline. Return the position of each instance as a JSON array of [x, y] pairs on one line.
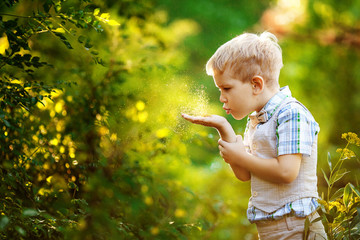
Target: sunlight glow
[[284, 15], [291, 11]]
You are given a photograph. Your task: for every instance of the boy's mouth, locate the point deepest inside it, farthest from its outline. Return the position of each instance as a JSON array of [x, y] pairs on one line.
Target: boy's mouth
[[227, 110]]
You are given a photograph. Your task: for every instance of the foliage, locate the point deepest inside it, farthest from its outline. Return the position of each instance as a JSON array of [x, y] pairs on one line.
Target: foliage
[[89, 151], [323, 48], [92, 144], [340, 209], [28, 192]]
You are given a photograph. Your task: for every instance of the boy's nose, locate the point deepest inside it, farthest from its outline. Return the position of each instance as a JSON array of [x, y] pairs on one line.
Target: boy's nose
[[222, 98]]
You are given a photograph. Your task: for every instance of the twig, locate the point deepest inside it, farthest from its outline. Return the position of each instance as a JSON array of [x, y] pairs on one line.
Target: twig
[[13, 15]]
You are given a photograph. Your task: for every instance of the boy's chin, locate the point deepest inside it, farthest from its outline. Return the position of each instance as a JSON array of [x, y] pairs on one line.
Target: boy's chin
[[236, 117]]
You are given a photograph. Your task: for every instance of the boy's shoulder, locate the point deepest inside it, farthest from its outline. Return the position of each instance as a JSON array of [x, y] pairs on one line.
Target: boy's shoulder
[[294, 110], [292, 104]]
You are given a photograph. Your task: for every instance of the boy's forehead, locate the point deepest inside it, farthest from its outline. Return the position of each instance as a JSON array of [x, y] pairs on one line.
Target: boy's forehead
[[221, 79], [217, 80]]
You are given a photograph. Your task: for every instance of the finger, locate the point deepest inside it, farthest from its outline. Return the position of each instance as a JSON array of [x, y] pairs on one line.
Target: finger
[[239, 138], [190, 116], [187, 117], [193, 119], [222, 143], [220, 148]]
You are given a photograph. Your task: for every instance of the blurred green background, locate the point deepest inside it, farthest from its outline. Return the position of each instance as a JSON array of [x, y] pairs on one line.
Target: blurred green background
[[92, 143]]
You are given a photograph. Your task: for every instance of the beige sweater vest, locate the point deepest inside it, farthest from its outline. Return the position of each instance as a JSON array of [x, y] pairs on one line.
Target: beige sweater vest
[[268, 196]]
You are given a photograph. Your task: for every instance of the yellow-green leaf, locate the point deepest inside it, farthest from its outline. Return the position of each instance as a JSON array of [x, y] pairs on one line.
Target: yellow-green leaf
[[4, 44], [105, 15], [347, 195], [355, 190], [59, 30], [113, 23], [96, 11]]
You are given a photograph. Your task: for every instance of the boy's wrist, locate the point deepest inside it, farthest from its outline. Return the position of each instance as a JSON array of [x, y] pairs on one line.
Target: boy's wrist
[[224, 125], [220, 123], [240, 159], [226, 131]]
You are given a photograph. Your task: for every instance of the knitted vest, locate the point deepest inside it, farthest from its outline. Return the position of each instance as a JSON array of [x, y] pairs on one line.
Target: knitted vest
[[268, 196]]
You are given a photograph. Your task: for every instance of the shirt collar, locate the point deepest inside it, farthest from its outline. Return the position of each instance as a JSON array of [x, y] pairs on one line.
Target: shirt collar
[[270, 107]]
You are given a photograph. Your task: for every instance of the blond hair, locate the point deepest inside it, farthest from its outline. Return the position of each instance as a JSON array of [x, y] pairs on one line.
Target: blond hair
[[248, 55]]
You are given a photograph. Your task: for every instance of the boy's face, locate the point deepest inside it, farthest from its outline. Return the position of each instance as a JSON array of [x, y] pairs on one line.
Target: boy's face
[[237, 96]]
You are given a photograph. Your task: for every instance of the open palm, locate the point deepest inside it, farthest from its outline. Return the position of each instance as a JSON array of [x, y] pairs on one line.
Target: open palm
[[215, 121]]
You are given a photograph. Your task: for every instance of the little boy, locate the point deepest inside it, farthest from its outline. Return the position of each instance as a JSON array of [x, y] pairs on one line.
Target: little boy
[[279, 150]]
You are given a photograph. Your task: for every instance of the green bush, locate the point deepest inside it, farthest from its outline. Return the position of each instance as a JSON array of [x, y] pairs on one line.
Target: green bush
[[339, 210]]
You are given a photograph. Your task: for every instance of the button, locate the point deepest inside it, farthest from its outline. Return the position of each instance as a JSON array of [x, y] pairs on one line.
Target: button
[[254, 146], [254, 194]]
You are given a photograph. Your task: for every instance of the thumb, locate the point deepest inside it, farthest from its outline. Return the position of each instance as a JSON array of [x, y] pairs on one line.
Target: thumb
[[239, 138], [222, 143]]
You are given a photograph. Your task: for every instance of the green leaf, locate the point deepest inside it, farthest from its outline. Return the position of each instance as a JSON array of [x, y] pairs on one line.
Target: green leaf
[[317, 219], [58, 8], [3, 222], [30, 212], [20, 230], [88, 19], [7, 123], [355, 221], [338, 175], [355, 190], [347, 195], [325, 177], [329, 161], [338, 194]]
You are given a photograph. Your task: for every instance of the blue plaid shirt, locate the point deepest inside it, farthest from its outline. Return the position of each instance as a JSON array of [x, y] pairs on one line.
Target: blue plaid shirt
[[296, 132]]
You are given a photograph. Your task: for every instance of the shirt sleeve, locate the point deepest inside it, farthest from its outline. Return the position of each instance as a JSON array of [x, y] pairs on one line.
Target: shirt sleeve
[[296, 130]]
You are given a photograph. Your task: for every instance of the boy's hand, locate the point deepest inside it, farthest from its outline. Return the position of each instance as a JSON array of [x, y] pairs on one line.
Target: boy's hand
[[232, 152], [214, 121], [223, 127], [227, 136]]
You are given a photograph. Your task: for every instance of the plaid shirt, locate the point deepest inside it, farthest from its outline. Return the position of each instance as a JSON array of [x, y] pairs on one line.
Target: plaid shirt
[[296, 132], [300, 208]]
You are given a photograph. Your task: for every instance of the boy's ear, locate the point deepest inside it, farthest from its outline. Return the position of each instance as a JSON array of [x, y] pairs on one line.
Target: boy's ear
[[258, 84]]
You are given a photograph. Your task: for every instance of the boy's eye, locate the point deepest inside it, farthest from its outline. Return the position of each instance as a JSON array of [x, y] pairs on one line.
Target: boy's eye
[[226, 89]]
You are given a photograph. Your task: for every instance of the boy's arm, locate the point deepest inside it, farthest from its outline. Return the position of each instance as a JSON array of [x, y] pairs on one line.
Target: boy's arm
[[282, 169], [226, 133], [241, 173]]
